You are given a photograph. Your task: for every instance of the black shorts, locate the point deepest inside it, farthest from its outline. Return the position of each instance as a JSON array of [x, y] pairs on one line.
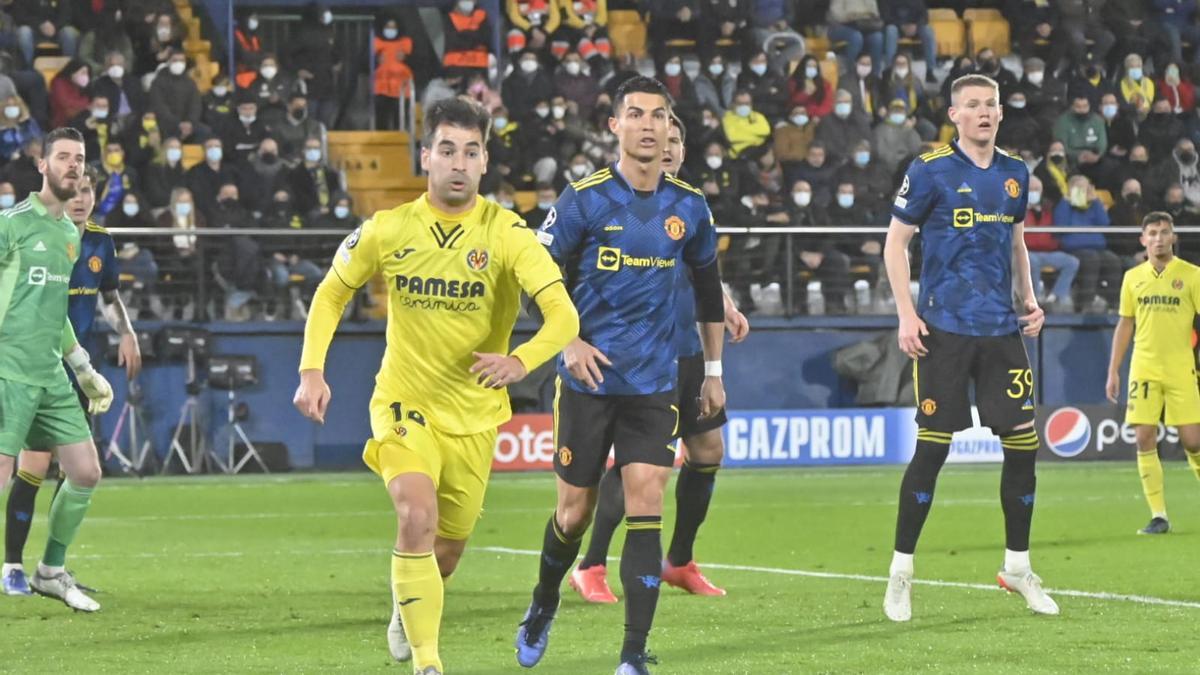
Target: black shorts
[[639, 429], [691, 377], [999, 368]]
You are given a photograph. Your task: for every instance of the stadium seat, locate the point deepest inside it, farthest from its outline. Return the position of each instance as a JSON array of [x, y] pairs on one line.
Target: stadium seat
[[624, 17], [627, 32], [949, 31], [829, 71], [375, 160], [193, 154], [817, 45], [49, 66], [1105, 198], [204, 72], [525, 200], [987, 28]]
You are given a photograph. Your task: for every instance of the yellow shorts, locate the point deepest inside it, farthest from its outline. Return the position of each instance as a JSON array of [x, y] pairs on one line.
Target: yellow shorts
[[1180, 395], [458, 465]]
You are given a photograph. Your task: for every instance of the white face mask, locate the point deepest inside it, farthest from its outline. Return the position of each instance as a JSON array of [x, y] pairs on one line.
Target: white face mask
[[1135, 74], [862, 158], [252, 24], [341, 212], [842, 110], [12, 112], [312, 155], [579, 169], [130, 209], [246, 119], [528, 66], [269, 72], [500, 123], [901, 71], [116, 72], [742, 110], [1035, 77], [691, 69], [213, 154], [466, 7], [558, 111], [1035, 197], [545, 206], [327, 17], [1109, 110], [897, 118], [163, 34], [672, 69], [799, 120], [6, 201], [1017, 105], [748, 202], [506, 203], [82, 79], [758, 68], [541, 112], [845, 201], [100, 113], [811, 72], [713, 162], [802, 198], [174, 155], [390, 33], [177, 67], [573, 67], [716, 68], [863, 71], [183, 209]]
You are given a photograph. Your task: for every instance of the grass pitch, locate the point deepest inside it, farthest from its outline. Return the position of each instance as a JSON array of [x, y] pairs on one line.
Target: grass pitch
[[290, 574]]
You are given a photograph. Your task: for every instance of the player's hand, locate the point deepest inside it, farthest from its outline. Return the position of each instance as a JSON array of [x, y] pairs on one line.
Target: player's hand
[[712, 397], [312, 396], [497, 371], [1112, 388], [736, 323], [1033, 319], [97, 389], [581, 361], [129, 354], [911, 330]]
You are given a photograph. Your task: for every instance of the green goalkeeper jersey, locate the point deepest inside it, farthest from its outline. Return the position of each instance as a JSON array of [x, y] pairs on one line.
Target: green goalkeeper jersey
[[37, 254]]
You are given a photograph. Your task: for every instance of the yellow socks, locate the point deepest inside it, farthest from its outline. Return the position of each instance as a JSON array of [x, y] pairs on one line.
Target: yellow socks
[[1150, 469], [1194, 460], [417, 584]]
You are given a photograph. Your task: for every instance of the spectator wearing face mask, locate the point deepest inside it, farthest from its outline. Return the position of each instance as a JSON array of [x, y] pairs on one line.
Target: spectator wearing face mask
[[1160, 130], [297, 126], [819, 172], [393, 77], [314, 58], [722, 182], [872, 180], [1034, 28], [126, 98], [1138, 168], [22, 171], [1179, 167], [270, 90], [261, 175], [858, 25], [768, 89], [1177, 89], [896, 138], [154, 40], [313, 182], [1098, 285], [243, 133], [1122, 136], [1127, 211], [1082, 132], [1045, 94], [1174, 203], [577, 168], [506, 196], [1137, 90], [715, 86], [69, 93], [899, 82], [808, 88], [247, 45], [17, 128], [866, 89], [744, 127], [680, 87], [584, 29], [528, 83], [205, 179], [341, 216], [1019, 129], [1054, 171], [217, 104], [142, 140], [531, 24], [8, 195], [116, 179], [1044, 253], [1091, 81], [842, 129], [174, 97], [546, 196], [817, 256], [847, 210], [573, 84], [293, 277], [163, 176], [793, 137], [467, 33]]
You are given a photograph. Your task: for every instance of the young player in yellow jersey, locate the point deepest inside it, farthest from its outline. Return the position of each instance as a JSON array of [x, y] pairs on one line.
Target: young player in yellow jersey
[[1160, 298], [455, 264]]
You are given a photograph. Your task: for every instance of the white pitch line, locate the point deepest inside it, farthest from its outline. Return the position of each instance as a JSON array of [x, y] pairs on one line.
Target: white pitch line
[[1118, 597]]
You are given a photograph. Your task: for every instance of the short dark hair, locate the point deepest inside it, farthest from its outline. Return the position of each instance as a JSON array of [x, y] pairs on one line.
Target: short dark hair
[[458, 112], [92, 175], [60, 134], [640, 84], [678, 124], [1157, 217]]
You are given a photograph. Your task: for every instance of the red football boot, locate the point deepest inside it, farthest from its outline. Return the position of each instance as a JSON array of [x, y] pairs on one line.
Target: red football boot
[[689, 578], [592, 585]]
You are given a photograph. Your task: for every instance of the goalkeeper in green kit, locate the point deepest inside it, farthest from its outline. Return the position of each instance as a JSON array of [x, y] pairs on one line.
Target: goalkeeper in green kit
[[38, 407]]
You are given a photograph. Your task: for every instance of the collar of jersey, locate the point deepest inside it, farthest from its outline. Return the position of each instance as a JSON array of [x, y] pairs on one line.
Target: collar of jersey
[[620, 179], [1166, 268], [443, 217], [966, 158]]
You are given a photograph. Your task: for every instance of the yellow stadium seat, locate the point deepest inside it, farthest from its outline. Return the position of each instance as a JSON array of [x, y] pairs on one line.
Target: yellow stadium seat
[[623, 17], [525, 200], [628, 39], [817, 45], [204, 72], [829, 71], [1105, 198], [371, 160], [193, 154], [987, 28], [949, 31], [49, 66]]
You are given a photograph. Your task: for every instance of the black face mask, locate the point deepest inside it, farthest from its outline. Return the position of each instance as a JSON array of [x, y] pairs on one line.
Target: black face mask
[[227, 203], [1139, 163], [299, 114], [1133, 199], [1058, 159], [283, 208], [1187, 157], [269, 158]]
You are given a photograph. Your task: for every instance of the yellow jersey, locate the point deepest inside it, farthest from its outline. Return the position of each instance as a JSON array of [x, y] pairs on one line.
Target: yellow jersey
[[454, 287], [1163, 307]]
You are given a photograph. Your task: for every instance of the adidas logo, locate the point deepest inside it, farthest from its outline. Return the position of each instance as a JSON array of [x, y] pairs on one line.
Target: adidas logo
[[964, 187], [39, 246]]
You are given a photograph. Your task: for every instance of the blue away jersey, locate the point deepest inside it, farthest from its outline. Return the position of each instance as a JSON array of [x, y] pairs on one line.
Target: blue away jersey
[[96, 271], [966, 215], [622, 252]]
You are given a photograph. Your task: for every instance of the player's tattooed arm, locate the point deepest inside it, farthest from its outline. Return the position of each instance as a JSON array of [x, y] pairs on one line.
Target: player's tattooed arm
[[129, 354]]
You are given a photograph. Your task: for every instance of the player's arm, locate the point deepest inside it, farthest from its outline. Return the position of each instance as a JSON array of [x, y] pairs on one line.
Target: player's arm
[[129, 354], [700, 253], [1034, 315], [97, 389], [355, 262], [541, 280], [1122, 337], [735, 322], [899, 272]]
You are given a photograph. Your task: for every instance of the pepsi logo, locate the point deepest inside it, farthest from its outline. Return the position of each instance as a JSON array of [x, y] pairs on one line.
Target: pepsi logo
[[1068, 432]]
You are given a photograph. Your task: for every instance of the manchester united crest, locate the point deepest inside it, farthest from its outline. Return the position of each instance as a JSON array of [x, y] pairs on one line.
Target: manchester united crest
[[1012, 187], [95, 264], [564, 456], [928, 406], [675, 227]]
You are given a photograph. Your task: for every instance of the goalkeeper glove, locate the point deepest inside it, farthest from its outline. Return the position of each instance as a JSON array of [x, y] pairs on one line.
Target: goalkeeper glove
[[97, 389]]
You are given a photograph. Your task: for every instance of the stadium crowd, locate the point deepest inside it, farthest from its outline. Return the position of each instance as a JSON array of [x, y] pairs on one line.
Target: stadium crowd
[[1098, 95]]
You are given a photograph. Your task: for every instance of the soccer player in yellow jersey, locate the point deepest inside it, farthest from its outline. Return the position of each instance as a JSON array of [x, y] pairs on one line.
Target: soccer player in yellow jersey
[[455, 264], [1159, 299]]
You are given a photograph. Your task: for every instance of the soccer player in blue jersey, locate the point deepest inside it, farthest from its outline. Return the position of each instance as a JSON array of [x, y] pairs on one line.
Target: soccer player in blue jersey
[[703, 447], [96, 273], [621, 235], [968, 200]]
